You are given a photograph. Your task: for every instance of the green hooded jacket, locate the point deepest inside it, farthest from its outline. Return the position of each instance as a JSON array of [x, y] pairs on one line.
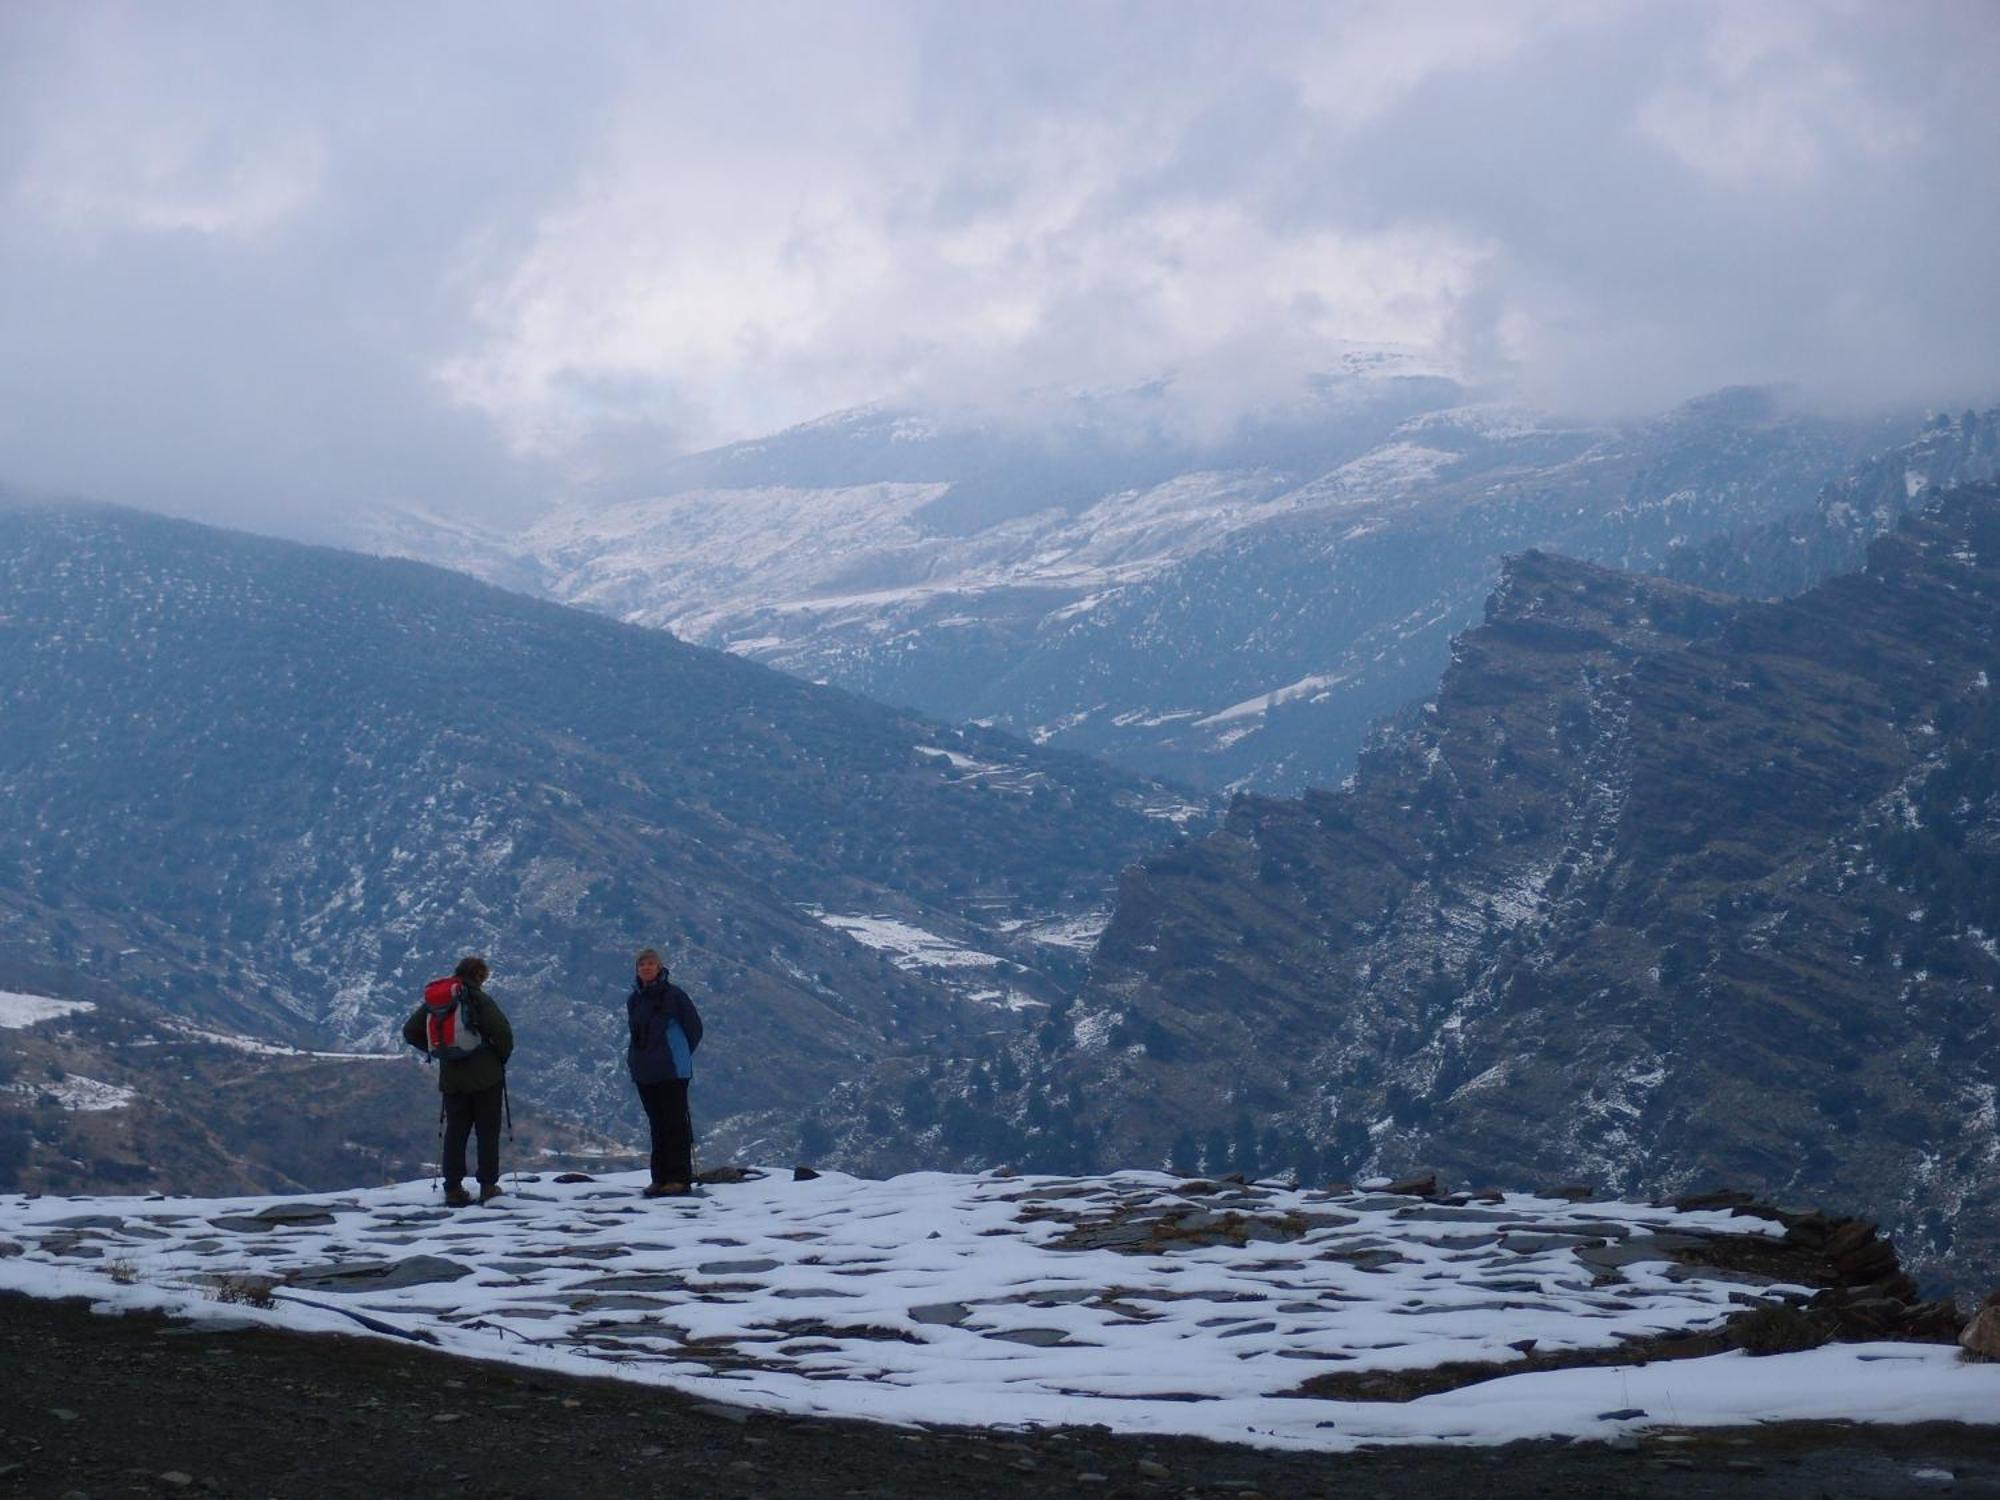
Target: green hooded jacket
[[487, 1066]]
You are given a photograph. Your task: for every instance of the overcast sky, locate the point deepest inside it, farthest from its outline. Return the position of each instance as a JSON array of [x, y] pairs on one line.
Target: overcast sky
[[269, 260]]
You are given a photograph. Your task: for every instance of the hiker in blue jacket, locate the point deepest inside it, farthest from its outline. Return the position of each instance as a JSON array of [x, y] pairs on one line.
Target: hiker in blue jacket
[[665, 1031]]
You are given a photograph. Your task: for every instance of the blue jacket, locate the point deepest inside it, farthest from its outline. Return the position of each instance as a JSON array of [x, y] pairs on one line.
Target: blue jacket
[[665, 1031]]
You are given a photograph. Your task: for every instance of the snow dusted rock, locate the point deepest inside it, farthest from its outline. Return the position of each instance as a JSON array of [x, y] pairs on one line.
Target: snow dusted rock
[[1981, 1337], [1239, 1311]]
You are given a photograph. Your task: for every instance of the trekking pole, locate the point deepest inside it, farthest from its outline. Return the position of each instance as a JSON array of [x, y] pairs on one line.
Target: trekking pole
[[437, 1175], [507, 1108]]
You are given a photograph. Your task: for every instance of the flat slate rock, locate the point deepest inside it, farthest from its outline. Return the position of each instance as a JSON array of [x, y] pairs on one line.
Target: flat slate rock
[[941, 1314], [1639, 1248], [1535, 1244], [1452, 1213], [1107, 1237], [652, 1281], [376, 1276], [617, 1302], [302, 1213], [72, 1249], [1718, 1273], [1034, 1338]]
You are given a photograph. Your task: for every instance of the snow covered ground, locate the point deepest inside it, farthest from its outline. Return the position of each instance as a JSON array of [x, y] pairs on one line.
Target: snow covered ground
[[18, 1012], [911, 947], [257, 1048], [1134, 1301], [77, 1094]]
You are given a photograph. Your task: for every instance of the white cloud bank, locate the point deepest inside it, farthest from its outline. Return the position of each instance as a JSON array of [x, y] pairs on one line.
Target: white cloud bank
[[265, 260]]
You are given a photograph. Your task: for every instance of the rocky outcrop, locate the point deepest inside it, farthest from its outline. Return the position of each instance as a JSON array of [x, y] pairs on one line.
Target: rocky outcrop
[[1980, 1338], [1661, 889]]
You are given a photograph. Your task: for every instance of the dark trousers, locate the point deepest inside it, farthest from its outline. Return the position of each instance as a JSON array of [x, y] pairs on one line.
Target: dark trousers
[[462, 1112], [673, 1131]]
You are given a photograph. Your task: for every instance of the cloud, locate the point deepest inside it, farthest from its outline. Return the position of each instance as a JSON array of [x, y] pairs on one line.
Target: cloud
[[1767, 105], [266, 262]]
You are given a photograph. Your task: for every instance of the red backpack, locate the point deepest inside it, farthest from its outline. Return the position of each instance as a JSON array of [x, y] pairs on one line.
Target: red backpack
[[451, 1023]]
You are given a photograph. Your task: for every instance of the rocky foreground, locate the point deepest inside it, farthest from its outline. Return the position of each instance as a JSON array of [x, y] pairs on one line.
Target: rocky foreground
[[149, 1405], [1247, 1313]]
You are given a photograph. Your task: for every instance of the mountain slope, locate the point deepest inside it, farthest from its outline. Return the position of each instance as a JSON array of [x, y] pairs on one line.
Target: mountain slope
[[1664, 888], [275, 788], [1229, 613], [112, 1094], [1791, 553]]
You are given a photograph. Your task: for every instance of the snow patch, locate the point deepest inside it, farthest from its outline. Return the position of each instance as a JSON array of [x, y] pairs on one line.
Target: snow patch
[[913, 947], [1263, 703], [1079, 933], [80, 1095], [258, 1048], [18, 1012]]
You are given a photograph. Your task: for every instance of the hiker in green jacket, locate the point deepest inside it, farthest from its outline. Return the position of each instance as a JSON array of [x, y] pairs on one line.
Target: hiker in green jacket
[[461, 1027]]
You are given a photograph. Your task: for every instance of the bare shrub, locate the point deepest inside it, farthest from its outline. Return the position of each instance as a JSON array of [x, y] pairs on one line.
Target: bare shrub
[[245, 1289], [1783, 1329]]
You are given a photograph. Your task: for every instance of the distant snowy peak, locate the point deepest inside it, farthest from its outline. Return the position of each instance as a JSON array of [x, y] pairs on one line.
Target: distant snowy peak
[[707, 563], [427, 536], [1490, 421], [672, 559], [694, 560], [1231, 611]]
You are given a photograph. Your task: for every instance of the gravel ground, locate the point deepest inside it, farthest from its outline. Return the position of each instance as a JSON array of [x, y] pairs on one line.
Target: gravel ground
[[99, 1406]]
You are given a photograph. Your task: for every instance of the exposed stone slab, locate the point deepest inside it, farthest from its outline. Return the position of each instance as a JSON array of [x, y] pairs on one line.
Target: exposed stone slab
[[377, 1276]]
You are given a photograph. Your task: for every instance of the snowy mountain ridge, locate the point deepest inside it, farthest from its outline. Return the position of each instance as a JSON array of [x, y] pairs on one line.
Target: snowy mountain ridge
[[1243, 1312], [1231, 612]]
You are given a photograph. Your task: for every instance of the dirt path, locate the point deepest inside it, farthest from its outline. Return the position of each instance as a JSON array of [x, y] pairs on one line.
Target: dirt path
[[102, 1406]]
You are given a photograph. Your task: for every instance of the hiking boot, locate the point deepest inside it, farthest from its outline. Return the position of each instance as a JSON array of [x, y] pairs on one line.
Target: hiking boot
[[488, 1191], [456, 1197], [664, 1190]]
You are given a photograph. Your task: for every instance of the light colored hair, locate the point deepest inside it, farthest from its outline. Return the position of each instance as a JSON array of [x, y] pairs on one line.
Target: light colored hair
[[645, 953]]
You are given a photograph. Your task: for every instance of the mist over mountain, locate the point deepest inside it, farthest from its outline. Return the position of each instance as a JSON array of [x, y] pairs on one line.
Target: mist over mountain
[[1664, 888], [1233, 614], [272, 789]]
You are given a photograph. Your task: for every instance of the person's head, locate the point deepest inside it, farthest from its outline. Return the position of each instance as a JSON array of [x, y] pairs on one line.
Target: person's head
[[471, 970], [648, 965]]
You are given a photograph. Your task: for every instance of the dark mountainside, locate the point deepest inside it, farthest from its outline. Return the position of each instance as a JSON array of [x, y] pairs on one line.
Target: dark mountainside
[[275, 788], [1664, 890], [1790, 554]]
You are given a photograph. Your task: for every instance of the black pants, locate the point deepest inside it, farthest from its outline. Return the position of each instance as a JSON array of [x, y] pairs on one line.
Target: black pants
[[481, 1108], [673, 1131]]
